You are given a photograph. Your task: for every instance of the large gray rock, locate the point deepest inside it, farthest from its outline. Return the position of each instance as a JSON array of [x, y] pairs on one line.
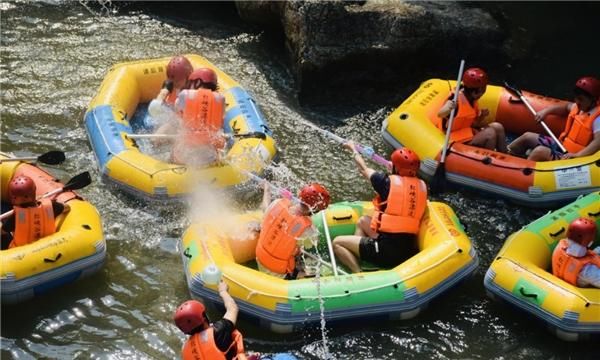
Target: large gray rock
[[371, 48]]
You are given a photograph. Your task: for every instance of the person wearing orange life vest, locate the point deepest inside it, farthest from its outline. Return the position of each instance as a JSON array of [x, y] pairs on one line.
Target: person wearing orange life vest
[[202, 112], [216, 341], [468, 125], [572, 261], [287, 228], [162, 108], [388, 238], [581, 136], [32, 220]]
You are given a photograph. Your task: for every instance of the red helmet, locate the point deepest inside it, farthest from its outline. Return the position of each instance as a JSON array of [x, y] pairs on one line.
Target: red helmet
[[21, 190], [190, 315], [315, 196], [406, 162], [474, 78], [583, 231], [590, 85], [179, 68], [206, 75]]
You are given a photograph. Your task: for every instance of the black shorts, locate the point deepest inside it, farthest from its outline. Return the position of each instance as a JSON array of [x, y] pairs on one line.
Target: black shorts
[[388, 250]]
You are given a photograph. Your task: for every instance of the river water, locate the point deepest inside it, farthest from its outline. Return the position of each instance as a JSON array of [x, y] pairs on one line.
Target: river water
[[53, 58]]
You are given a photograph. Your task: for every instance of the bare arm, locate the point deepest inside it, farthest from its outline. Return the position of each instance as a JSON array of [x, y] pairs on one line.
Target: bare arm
[[266, 200], [560, 110], [364, 170], [590, 149], [445, 110], [231, 308]]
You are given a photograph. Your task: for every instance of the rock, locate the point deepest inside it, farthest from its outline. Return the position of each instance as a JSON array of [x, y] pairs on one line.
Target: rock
[[371, 48]]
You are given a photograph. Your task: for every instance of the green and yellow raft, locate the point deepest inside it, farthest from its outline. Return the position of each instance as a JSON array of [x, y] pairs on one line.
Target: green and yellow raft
[[521, 274], [446, 257]]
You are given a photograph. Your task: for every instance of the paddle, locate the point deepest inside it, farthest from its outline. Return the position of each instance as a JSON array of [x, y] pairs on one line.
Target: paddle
[[76, 182], [53, 157], [256, 134], [366, 151], [532, 110], [329, 244], [439, 177]]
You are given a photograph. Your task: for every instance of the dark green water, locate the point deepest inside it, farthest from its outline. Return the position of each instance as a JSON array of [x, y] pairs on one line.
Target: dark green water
[[52, 60]]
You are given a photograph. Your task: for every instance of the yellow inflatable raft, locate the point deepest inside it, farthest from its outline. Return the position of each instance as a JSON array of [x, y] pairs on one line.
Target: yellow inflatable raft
[[76, 250], [120, 109], [446, 258], [536, 184], [521, 274]]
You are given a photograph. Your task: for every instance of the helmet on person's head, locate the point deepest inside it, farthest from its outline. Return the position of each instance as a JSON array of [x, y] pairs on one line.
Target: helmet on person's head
[[190, 315], [590, 85], [474, 78], [315, 196], [21, 190], [406, 162], [206, 76], [179, 68], [582, 231]]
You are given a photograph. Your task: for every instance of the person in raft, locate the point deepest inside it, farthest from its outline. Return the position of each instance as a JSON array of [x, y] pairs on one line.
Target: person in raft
[[388, 238], [286, 229], [219, 340], [32, 220], [202, 112], [572, 261], [469, 125], [581, 136], [162, 108]]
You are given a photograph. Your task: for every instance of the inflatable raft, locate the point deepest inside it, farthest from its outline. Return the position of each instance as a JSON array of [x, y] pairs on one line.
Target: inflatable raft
[[535, 184], [521, 274], [120, 109], [446, 257], [75, 251]]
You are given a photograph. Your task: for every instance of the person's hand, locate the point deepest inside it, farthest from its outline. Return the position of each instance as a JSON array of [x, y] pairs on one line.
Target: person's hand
[[223, 286], [569, 156], [483, 113], [540, 116], [349, 145], [452, 105]]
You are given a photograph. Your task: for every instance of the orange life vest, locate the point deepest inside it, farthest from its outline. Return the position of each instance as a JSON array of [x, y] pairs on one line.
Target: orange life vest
[[406, 204], [579, 130], [33, 223], [202, 346], [276, 248], [463, 120], [568, 267], [203, 115]]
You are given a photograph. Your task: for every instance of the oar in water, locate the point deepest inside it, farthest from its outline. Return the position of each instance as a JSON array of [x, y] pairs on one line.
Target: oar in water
[[439, 177], [518, 92], [256, 134], [76, 182], [53, 157]]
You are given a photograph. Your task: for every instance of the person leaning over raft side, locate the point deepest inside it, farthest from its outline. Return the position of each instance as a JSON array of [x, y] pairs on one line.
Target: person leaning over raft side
[[286, 228], [179, 69], [219, 340], [32, 220], [572, 261], [389, 237], [581, 136], [468, 125], [202, 111]]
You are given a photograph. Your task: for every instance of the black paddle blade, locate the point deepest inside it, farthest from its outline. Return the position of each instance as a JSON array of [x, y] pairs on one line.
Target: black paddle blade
[[257, 134], [78, 181], [53, 157], [438, 181]]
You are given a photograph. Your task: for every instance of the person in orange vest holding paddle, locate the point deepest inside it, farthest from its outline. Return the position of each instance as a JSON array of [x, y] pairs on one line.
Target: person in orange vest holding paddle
[[162, 108], [581, 136], [572, 260], [468, 125], [286, 228], [217, 341], [202, 111], [32, 220], [388, 238]]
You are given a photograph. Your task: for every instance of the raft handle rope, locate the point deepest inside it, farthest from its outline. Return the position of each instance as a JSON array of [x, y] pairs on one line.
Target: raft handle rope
[[526, 170], [394, 284]]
